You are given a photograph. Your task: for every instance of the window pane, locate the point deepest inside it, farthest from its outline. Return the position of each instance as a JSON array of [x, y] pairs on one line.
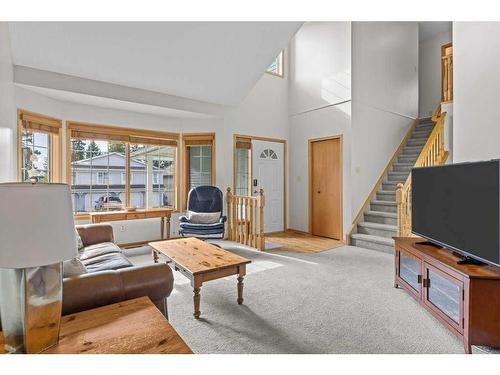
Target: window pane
[[153, 169], [206, 164], [276, 66], [41, 139], [200, 166], [194, 150], [35, 156], [96, 169], [242, 172]]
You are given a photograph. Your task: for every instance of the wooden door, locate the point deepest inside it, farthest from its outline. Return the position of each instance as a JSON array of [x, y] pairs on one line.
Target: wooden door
[[325, 187]]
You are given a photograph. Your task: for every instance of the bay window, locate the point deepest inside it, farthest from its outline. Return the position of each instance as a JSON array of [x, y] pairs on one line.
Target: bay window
[[112, 168]]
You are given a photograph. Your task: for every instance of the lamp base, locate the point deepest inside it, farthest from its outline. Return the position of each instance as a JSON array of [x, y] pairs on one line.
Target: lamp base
[[30, 307]]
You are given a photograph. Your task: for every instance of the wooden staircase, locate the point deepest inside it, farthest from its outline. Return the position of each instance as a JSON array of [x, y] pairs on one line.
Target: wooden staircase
[[387, 210]]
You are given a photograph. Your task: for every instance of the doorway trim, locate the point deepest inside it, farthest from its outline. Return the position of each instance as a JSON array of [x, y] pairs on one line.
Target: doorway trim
[[285, 167], [341, 181]]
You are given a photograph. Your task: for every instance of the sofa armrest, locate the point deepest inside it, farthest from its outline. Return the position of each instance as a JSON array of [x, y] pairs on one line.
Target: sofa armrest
[[92, 234], [222, 219], [97, 289]]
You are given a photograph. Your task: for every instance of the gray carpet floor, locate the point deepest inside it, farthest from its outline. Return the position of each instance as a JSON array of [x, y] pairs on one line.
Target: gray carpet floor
[[337, 301]]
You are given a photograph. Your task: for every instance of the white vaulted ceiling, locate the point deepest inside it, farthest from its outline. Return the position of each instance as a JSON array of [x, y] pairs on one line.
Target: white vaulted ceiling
[[216, 62]]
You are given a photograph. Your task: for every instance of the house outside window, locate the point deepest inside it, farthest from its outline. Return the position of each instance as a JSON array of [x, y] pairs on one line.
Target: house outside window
[[101, 157]]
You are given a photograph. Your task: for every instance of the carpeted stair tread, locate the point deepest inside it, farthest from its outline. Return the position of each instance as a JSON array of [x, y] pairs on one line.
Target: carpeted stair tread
[[387, 227], [381, 213], [370, 238]]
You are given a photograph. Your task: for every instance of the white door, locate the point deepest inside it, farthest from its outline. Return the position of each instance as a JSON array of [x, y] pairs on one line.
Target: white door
[[268, 174]]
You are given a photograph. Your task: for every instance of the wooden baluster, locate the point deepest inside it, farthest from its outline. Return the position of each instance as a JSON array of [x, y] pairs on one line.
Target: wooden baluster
[[399, 210], [261, 220], [451, 78], [235, 218], [245, 210], [445, 79], [228, 212], [238, 212], [250, 223]]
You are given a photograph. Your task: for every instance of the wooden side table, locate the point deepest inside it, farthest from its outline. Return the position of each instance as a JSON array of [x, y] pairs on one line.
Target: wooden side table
[[131, 327], [164, 214]]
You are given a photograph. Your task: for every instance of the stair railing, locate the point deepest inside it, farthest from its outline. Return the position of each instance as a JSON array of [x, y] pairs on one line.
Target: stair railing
[[433, 153], [447, 76], [372, 193], [245, 218]]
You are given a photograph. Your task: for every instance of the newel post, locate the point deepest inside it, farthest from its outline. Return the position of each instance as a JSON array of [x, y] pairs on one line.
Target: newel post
[[229, 198], [399, 207]]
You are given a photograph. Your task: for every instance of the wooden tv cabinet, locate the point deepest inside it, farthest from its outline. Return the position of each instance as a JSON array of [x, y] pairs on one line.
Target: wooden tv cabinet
[[465, 298]]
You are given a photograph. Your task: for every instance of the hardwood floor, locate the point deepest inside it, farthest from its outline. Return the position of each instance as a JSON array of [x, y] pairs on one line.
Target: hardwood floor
[[302, 242]]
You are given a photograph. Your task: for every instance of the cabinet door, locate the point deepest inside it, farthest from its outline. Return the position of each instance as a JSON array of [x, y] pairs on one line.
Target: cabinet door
[[443, 294], [409, 271]]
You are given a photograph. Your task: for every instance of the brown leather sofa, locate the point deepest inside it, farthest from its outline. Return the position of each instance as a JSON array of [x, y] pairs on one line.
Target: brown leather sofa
[[110, 276]]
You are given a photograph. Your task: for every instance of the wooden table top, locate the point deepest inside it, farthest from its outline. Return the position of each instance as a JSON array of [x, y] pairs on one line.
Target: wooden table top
[[447, 257], [131, 327], [136, 211], [197, 256]]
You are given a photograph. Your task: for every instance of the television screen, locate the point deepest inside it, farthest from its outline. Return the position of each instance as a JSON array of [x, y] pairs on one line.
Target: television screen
[[457, 206]]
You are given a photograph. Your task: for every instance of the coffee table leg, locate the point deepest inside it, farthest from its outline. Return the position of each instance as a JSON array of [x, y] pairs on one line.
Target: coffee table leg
[[240, 290], [196, 300]]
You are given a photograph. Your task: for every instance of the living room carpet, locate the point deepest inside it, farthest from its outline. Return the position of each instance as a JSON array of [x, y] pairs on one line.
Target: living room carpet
[[336, 301]]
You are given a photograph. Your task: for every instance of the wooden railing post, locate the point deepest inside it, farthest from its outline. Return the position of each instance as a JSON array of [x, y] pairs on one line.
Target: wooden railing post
[[245, 219], [399, 203]]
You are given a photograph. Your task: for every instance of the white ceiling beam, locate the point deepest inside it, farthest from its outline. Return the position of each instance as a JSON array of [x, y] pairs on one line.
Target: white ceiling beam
[[42, 78]]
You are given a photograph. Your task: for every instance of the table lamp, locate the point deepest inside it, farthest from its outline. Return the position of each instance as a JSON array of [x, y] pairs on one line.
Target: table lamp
[[37, 233]]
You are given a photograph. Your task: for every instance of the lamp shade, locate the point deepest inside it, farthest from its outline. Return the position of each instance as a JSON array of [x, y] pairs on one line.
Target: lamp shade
[[36, 225]]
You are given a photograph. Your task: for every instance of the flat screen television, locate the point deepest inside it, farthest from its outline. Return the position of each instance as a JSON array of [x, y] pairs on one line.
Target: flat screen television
[[457, 206]]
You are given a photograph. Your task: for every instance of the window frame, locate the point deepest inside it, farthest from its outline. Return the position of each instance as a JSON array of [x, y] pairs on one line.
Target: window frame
[[195, 139], [242, 142], [128, 136], [47, 125], [281, 65]]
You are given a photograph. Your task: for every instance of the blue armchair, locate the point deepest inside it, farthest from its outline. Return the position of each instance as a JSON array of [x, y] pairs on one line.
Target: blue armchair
[[203, 199]]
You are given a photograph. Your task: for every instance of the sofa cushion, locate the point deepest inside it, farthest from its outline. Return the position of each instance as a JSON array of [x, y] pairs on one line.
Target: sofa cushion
[[215, 226], [110, 261], [203, 217], [73, 267], [99, 249], [79, 242]]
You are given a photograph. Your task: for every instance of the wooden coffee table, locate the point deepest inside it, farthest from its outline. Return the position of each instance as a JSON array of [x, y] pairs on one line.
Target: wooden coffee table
[[200, 261]]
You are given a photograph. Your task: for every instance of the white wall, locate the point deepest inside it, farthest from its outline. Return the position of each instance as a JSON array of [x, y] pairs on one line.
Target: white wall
[[320, 72], [329, 121], [385, 66], [429, 72], [385, 97], [476, 79], [264, 112], [320, 67], [7, 109]]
